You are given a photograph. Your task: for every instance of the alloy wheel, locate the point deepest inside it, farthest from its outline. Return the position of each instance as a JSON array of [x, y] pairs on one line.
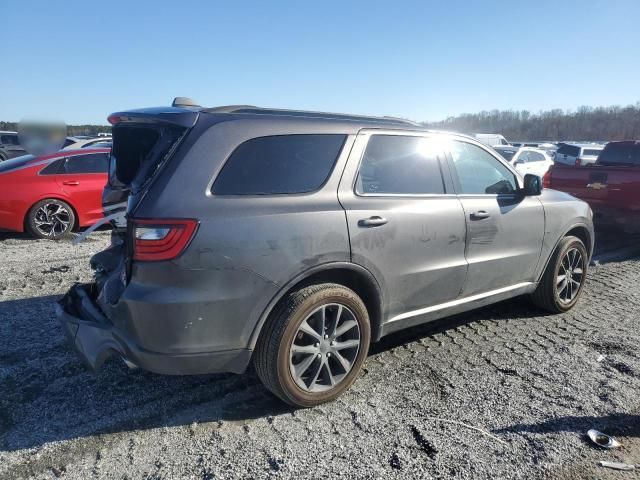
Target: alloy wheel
[[570, 275], [325, 348], [52, 220]]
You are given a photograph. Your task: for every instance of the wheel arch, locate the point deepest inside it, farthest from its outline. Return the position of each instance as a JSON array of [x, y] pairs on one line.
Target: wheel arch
[[350, 275], [580, 230], [76, 221]]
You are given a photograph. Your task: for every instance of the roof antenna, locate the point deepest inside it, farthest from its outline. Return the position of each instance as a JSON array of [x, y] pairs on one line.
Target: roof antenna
[[184, 102]]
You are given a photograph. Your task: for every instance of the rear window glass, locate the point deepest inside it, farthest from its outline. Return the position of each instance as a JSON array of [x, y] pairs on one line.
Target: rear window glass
[[400, 165], [506, 154], [591, 152], [139, 151], [617, 154], [94, 163], [9, 139], [279, 165], [570, 150], [15, 163]]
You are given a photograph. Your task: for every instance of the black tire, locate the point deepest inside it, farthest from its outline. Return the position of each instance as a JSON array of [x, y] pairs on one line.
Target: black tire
[[62, 223], [548, 295], [272, 354]]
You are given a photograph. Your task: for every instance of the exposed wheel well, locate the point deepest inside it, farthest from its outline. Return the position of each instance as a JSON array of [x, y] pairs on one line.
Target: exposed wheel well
[[76, 222], [361, 283], [583, 234]]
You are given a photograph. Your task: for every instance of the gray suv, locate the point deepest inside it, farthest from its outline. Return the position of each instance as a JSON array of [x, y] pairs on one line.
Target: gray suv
[[296, 239]]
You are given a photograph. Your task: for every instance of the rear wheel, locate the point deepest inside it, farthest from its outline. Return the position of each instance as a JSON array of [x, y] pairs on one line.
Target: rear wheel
[[51, 219], [313, 346], [563, 280]]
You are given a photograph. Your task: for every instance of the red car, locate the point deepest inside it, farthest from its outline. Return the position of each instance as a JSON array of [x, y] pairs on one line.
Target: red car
[[51, 195]]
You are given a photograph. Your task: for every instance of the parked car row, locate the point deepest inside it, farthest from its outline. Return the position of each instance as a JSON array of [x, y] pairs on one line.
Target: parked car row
[[610, 184]]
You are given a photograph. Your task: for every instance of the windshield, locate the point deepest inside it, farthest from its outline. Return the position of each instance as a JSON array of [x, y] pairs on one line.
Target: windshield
[[15, 163]]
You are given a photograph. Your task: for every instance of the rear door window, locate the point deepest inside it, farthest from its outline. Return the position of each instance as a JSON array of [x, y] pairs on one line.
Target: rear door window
[[480, 173], [396, 164], [93, 163], [536, 157], [282, 164]]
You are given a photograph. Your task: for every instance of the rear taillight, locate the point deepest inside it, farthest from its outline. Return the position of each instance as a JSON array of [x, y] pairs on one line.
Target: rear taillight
[[578, 162], [546, 180], [159, 239]]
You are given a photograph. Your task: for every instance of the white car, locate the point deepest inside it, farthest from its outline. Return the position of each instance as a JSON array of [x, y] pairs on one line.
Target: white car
[[527, 159], [491, 139], [578, 153]]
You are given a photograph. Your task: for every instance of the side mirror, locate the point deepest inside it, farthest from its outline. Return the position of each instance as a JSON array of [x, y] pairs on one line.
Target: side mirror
[[532, 185], [519, 162]]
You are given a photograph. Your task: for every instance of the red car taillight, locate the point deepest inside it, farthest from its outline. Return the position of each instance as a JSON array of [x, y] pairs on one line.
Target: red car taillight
[[159, 239], [546, 180]]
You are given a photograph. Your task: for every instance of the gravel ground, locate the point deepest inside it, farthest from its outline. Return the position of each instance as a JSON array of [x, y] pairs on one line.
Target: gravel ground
[[532, 383]]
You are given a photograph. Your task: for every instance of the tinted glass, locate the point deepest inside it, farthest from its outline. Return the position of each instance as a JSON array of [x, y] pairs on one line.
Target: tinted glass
[[15, 163], [570, 150], [536, 157], [94, 163], [9, 139], [591, 152], [506, 154], [53, 168], [400, 165], [279, 164], [479, 172], [618, 154]]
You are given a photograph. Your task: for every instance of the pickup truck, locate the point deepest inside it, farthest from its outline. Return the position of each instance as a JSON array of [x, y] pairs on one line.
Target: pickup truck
[[611, 185]]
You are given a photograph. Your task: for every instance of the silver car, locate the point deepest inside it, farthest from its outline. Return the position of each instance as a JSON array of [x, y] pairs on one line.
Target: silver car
[[294, 240]]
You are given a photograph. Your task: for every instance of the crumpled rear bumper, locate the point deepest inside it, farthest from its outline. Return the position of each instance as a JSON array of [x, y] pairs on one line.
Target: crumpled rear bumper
[[95, 339]]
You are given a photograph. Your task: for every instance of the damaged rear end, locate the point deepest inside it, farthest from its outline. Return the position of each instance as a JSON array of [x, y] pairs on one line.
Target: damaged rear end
[[97, 317]]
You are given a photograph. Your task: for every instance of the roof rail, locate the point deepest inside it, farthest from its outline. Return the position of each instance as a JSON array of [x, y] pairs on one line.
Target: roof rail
[[303, 113]]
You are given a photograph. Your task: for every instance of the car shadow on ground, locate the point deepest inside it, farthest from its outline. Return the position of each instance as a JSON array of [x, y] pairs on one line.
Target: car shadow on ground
[[617, 424], [49, 396]]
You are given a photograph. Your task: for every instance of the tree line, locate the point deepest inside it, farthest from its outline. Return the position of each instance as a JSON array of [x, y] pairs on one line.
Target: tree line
[[72, 130], [583, 124]]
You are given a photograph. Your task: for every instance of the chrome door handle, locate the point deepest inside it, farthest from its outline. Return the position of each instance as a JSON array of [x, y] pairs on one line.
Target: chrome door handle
[[479, 215], [374, 221]]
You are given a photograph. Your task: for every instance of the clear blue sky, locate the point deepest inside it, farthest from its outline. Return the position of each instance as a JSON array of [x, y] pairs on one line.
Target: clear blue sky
[[426, 60]]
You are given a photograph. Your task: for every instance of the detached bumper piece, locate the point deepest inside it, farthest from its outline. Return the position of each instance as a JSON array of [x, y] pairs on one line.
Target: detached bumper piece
[[95, 339]]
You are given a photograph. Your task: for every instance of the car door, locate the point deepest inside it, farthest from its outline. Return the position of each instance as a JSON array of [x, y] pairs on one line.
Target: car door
[[82, 178], [406, 225], [504, 228], [537, 164]]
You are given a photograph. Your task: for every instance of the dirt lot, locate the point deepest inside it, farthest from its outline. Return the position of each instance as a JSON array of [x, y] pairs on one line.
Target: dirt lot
[[533, 383]]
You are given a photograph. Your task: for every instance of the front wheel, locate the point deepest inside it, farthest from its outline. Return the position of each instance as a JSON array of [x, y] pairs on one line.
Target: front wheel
[[564, 278], [313, 346], [50, 219]]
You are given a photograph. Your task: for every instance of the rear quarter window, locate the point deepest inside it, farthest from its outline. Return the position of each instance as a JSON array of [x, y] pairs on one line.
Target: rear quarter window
[[591, 152], [283, 164]]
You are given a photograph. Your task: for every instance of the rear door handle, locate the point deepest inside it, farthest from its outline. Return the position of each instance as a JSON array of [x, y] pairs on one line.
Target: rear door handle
[[71, 182], [479, 215], [372, 221]]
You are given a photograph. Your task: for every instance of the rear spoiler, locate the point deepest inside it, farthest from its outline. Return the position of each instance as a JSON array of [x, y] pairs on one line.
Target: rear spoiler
[[182, 117]]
